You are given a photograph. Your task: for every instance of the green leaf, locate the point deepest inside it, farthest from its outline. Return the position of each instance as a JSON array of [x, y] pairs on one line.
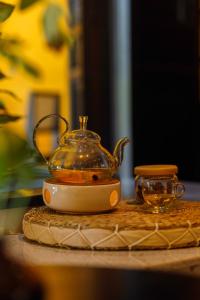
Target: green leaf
[[7, 43], [2, 105], [9, 93], [29, 68], [13, 58], [2, 75], [16, 163], [8, 118], [21, 62], [55, 37], [26, 3], [5, 11]]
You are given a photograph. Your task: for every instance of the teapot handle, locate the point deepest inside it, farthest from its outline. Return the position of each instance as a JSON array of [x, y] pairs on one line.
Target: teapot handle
[[36, 128]]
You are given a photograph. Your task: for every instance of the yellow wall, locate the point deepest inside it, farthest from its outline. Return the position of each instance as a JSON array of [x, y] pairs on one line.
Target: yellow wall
[[26, 25]]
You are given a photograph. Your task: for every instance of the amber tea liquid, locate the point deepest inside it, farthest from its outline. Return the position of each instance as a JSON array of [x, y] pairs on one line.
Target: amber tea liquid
[[89, 176], [158, 202], [158, 199]]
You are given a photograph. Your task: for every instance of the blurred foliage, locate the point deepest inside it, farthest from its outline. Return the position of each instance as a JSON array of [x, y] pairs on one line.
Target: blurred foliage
[[17, 159], [10, 93], [53, 15], [8, 118], [5, 11], [2, 75], [56, 36], [14, 151], [26, 3], [10, 50], [17, 164]]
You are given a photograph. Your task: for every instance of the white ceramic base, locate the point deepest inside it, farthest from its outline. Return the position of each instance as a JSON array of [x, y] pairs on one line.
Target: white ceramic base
[[80, 198]]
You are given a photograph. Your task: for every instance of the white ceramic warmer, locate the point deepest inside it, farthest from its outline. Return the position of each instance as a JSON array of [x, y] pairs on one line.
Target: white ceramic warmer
[[81, 198]]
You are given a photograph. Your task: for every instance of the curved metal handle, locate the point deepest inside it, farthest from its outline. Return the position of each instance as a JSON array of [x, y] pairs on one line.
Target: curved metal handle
[[36, 128]]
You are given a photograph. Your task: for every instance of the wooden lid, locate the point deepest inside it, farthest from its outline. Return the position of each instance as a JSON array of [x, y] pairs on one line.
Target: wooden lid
[[156, 170]]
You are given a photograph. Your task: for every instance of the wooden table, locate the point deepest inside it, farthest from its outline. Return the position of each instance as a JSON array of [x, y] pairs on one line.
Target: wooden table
[[95, 275], [185, 261], [180, 260], [77, 283]]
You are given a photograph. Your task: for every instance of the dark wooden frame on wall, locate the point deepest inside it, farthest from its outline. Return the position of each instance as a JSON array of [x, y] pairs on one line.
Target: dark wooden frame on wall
[[97, 18]]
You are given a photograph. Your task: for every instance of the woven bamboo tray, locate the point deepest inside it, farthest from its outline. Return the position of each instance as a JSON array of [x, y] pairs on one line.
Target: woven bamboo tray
[[126, 228]]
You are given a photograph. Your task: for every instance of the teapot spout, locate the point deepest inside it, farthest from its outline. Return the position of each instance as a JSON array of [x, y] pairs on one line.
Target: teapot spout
[[119, 150]]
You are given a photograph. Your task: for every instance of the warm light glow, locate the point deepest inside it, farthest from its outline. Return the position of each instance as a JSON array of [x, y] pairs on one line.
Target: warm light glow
[[47, 196], [114, 198]]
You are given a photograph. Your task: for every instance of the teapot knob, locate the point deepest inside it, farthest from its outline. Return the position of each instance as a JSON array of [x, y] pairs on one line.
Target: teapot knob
[[83, 122]]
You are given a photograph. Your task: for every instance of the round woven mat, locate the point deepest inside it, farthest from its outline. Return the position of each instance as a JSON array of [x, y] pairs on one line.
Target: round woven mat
[[127, 227]]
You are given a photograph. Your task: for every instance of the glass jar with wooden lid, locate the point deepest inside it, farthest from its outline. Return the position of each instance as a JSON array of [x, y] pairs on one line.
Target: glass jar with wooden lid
[[157, 187]]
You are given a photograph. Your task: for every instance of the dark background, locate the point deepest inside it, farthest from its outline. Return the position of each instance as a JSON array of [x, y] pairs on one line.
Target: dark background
[[165, 84], [166, 123], [97, 19]]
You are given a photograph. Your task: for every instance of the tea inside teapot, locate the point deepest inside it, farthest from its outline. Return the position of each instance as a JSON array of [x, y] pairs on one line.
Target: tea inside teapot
[[80, 158], [92, 176]]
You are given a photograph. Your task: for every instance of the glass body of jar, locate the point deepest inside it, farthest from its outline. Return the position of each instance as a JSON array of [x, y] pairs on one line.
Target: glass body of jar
[[157, 187]]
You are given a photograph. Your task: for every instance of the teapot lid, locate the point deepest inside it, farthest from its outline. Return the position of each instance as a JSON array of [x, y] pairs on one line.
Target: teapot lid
[[82, 133]]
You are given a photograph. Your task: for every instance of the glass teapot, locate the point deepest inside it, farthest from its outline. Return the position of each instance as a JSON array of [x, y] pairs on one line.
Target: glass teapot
[[80, 158]]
